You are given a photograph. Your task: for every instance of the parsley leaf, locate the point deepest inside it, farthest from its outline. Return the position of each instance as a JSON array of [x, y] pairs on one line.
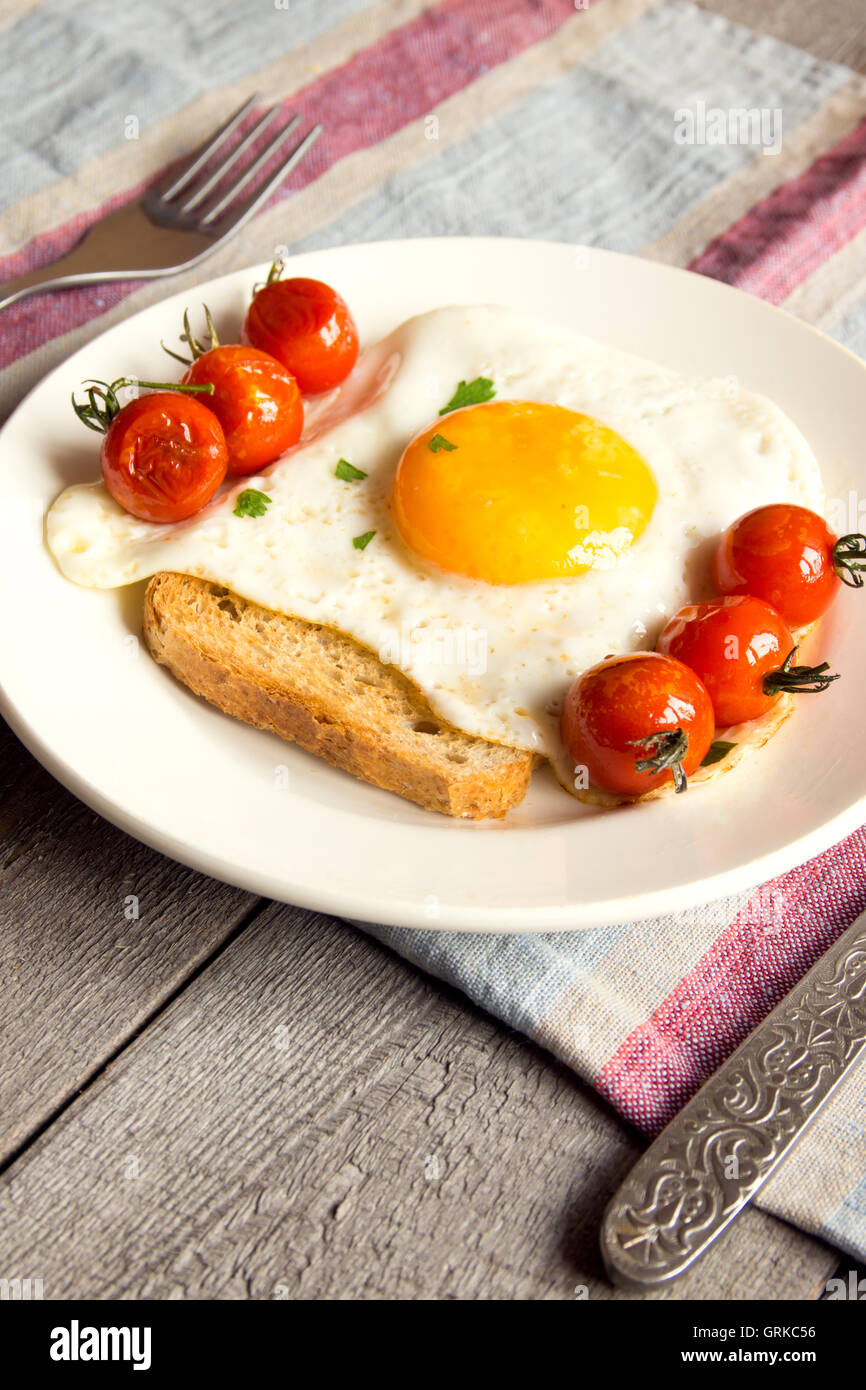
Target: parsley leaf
[[347, 473], [470, 393], [361, 542], [252, 503], [716, 751], [438, 443]]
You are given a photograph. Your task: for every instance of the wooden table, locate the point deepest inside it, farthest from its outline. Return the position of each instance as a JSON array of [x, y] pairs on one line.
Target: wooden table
[[225, 1098]]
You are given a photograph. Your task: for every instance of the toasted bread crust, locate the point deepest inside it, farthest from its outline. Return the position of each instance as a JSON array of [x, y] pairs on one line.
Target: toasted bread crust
[[321, 689]]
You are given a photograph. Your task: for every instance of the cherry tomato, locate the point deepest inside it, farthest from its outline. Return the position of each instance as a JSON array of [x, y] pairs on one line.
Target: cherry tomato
[[306, 326], [788, 556], [743, 651], [164, 456], [256, 401], [637, 721]]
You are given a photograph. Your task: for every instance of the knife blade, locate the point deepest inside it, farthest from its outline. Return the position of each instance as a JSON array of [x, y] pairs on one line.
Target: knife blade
[[712, 1158]]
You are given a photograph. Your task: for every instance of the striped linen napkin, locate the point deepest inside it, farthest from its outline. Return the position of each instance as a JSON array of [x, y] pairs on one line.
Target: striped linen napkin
[[647, 127]]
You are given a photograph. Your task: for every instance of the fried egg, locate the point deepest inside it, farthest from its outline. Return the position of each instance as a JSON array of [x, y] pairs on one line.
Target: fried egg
[[494, 551]]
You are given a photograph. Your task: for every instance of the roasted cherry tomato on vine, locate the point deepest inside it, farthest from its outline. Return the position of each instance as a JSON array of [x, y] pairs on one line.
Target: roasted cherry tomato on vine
[[637, 721], [743, 651], [788, 556], [307, 326], [163, 455], [256, 400]]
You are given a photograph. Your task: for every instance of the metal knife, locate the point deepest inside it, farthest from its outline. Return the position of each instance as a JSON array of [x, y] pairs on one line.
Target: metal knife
[[723, 1145]]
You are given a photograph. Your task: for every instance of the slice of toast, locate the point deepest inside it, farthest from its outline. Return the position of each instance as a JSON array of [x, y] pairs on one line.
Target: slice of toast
[[323, 690]]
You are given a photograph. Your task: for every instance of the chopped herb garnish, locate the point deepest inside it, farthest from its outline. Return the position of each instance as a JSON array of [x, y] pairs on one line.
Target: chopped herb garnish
[[252, 503], [438, 443], [347, 473], [361, 542], [716, 751], [470, 393]]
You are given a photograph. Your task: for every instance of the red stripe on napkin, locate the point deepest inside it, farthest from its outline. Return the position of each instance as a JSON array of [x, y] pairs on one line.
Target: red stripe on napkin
[[804, 222], [377, 92], [756, 961]]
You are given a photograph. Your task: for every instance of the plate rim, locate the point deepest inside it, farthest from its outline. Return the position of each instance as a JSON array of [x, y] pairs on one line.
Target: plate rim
[[468, 920]]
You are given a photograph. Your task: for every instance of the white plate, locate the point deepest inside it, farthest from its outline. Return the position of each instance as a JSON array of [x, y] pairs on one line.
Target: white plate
[[81, 691]]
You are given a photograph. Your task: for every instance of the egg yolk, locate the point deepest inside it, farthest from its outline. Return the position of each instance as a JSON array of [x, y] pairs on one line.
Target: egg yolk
[[513, 491]]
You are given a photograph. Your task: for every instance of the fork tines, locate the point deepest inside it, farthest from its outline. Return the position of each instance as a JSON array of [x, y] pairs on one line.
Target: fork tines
[[202, 196]]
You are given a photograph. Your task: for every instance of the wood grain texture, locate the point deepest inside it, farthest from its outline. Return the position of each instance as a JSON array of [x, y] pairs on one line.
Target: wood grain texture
[[79, 972], [312, 1118], [835, 32]]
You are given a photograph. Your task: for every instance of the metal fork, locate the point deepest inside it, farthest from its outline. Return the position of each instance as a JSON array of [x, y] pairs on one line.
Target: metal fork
[[180, 220]]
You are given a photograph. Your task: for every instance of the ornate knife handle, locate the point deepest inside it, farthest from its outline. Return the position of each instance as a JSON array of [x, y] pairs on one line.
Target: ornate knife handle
[[724, 1144]]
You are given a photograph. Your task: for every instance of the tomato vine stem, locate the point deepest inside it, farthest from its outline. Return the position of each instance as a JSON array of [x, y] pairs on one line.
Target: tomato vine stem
[[102, 405], [849, 559], [798, 680], [666, 749]]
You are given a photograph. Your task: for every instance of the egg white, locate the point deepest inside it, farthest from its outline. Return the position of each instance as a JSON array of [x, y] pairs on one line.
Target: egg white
[[493, 660]]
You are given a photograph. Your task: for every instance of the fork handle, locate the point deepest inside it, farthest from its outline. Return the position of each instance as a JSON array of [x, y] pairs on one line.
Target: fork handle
[[35, 280], [46, 278], [725, 1142]]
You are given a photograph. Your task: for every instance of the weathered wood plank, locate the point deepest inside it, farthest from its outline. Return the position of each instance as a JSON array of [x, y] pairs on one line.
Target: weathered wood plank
[[313, 1118], [836, 33], [79, 971]]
